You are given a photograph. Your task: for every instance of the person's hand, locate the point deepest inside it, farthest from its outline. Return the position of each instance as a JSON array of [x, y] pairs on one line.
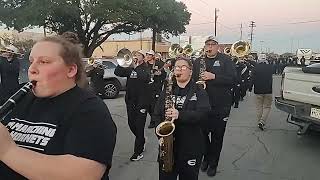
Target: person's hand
[[6, 142], [208, 76], [157, 73], [172, 113]]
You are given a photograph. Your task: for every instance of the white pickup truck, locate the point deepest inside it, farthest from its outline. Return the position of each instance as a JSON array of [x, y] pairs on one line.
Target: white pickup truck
[[300, 96]]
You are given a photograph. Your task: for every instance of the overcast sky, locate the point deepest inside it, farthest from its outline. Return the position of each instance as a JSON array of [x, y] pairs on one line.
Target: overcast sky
[[281, 25]]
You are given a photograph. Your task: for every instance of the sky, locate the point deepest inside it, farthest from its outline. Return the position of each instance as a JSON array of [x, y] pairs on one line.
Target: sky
[[281, 25]]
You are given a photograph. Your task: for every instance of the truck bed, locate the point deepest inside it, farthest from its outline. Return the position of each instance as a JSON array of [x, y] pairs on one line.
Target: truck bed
[[297, 86]]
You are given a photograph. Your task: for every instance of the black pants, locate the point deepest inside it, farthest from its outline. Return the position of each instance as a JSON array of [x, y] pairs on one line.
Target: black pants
[[216, 127], [236, 95], [187, 168], [150, 108], [136, 120]]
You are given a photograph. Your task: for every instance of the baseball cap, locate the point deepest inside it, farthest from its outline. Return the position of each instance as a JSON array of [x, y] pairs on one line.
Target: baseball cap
[[212, 38], [151, 52], [140, 51]]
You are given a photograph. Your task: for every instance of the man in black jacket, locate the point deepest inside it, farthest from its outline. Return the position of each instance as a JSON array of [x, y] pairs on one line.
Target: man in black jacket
[[155, 85], [138, 77], [9, 73], [96, 72], [262, 83], [219, 76]]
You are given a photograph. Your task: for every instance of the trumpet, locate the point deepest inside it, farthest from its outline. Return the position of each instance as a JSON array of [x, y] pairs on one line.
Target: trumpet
[[126, 60], [91, 61]]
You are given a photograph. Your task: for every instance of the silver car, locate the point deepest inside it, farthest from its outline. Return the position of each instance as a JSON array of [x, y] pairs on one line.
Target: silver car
[[112, 83]]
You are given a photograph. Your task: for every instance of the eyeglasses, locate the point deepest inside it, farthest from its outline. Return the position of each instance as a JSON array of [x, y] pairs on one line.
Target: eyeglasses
[[181, 68]]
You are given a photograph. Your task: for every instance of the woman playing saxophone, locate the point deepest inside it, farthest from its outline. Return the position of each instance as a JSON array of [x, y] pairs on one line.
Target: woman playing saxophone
[[188, 111]]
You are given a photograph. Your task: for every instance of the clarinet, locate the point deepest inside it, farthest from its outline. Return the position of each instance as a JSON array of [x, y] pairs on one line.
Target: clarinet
[[8, 106]]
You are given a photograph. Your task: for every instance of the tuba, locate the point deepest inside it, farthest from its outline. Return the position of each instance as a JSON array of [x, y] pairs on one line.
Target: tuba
[[165, 129], [187, 50], [240, 49]]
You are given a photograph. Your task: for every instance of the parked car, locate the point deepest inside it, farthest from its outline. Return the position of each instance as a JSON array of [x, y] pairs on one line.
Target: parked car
[[112, 83]]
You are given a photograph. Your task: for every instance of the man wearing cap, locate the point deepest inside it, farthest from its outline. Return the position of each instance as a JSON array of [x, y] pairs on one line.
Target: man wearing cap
[[219, 76], [138, 77], [158, 75], [9, 72]]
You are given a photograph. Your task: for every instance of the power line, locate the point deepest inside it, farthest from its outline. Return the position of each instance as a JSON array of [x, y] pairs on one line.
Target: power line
[[299, 22]]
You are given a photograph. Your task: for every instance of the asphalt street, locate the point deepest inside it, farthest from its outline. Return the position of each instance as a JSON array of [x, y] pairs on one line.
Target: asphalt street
[[277, 153]]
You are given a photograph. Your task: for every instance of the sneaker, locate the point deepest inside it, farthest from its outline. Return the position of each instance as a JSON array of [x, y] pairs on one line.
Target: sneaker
[[261, 126], [151, 125], [212, 171], [204, 166], [136, 157]]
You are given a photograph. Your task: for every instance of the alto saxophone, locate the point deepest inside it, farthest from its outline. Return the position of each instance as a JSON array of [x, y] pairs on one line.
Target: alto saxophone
[[165, 130], [202, 69]]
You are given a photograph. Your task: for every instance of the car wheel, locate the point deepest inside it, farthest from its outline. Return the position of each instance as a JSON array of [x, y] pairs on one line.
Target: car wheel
[[111, 89]]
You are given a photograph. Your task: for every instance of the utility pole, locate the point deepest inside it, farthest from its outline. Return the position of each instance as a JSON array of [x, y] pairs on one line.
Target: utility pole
[[215, 21], [140, 40], [252, 25], [241, 31]]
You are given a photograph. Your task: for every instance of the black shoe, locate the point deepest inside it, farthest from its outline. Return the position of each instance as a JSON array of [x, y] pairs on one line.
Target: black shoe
[[261, 126], [136, 157], [151, 125], [236, 106], [204, 166], [212, 171]]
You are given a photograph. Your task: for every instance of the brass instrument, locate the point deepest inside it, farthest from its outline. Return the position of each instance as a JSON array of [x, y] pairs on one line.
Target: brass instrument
[[202, 69], [187, 50], [172, 50], [125, 60], [176, 50], [91, 61], [165, 129], [227, 51], [240, 49]]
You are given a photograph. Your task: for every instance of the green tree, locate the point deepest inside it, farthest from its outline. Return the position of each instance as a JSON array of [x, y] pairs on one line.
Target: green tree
[[95, 20]]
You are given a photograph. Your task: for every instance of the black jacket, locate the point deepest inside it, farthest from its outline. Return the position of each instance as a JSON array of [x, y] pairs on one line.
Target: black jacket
[[192, 114], [137, 83], [218, 89], [155, 87], [262, 78], [9, 72]]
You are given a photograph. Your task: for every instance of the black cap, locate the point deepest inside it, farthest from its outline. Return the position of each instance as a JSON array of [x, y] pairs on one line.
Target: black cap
[[212, 38]]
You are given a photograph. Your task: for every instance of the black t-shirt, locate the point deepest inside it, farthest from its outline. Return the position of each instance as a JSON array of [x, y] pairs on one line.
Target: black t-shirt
[[75, 122]]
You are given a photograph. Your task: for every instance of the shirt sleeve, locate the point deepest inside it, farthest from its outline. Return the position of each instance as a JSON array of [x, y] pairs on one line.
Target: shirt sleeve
[[92, 134]]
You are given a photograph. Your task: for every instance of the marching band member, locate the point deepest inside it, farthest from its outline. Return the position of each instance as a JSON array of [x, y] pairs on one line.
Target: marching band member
[[58, 131], [219, 76], [96, 73], [9, 73], [138, 77], [158, 75], [189, 111]]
